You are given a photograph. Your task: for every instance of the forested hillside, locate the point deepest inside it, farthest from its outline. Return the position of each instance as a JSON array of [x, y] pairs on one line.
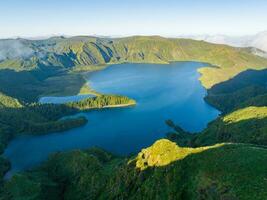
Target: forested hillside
[[165, 170], [226, 171], [227, 160], [34, 119], [243, 101]]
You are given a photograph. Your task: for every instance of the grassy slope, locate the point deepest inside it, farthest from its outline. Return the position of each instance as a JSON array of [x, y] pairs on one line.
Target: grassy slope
[[81, 175], [230, 171], [247, 125], [247, 113], [229, 61], [243, 101], [88, 51]]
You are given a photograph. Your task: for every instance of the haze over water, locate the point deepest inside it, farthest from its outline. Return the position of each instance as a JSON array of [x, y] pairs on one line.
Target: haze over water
[[162, 92]]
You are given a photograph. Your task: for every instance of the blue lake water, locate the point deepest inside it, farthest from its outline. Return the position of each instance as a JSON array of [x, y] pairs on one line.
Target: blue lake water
[[162, 92], [59, 100]]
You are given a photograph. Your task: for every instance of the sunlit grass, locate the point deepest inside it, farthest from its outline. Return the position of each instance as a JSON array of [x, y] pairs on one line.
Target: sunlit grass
[[163, 152], [251, 112]]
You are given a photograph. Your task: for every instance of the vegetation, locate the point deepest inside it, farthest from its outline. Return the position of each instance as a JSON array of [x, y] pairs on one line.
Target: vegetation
[[243, 101], [6, 101], [81, 52], [230, 171], [102, 101], [163, 152], [20, 119], [246, 89], [34, 119], [29, 86], [178, 135], [38, 118], [162, 171], [246, 114], [242, 126]]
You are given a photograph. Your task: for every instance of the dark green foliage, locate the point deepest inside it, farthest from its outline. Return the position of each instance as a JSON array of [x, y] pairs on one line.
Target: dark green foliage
[[35, 119], [4, 167], [35, 186], [246, 89], [179, 136], [54, 126], [72, 175], [245, 131], [227, 172], [17, 119], [38, 118], [28, 86], [101, 101], [232, 171]]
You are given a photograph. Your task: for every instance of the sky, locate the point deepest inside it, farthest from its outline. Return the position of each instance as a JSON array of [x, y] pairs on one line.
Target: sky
[[40, 18]]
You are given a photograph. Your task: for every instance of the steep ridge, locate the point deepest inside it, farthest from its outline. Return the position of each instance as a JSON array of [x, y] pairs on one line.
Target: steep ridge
[[229, 171], [164, 170], [243, 101], [87, 51]]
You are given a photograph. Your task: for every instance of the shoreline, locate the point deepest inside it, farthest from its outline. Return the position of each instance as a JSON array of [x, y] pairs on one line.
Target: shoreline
[[120, 105], [108, 107]]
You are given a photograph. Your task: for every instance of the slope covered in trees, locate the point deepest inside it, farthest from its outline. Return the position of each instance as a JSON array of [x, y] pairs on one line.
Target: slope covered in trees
[[21, 119], [248, 88], [164, 170], [243, 101], [38, 118], [227, 171]]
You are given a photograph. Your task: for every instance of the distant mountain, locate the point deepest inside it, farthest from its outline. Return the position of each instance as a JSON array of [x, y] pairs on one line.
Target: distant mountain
[[83, 51], [258, 41]]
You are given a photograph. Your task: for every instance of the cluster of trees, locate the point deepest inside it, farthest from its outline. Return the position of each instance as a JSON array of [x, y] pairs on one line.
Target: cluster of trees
[[36, 118], [96, 174], [18, 118], [101, 101]]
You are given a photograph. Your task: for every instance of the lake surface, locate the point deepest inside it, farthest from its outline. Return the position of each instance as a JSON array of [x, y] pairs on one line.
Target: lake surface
[[162, 92], [59, 100]]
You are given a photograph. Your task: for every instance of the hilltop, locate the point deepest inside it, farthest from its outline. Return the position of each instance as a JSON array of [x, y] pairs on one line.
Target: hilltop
[[84, 52], [227, 160], [226, 171]]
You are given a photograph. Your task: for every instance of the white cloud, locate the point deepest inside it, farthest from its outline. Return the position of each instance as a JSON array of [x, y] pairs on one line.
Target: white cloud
[[14, 49]]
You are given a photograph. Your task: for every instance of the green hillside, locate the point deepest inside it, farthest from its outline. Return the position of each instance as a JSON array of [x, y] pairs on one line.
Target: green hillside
[[92, 51], [246, 89], [243, 101], [229, 171], [17, 118], [35, 118], [247, 125], [213, 164]]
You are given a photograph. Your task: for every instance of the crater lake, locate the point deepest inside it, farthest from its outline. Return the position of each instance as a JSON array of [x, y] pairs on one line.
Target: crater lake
[[162, 91]]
